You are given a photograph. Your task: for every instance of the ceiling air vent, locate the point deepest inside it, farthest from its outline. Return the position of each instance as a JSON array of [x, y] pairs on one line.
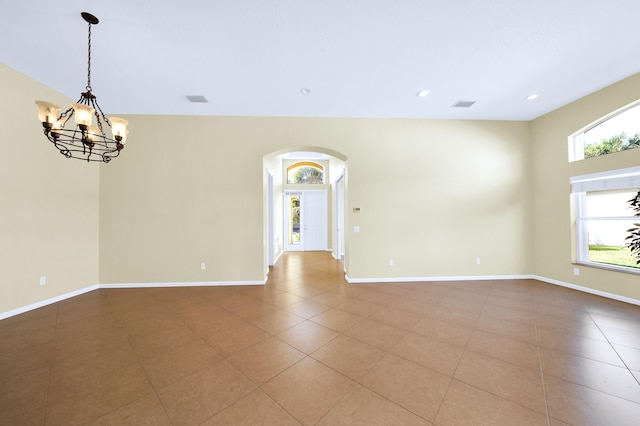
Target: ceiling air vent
[[463, 104], [198, 99]]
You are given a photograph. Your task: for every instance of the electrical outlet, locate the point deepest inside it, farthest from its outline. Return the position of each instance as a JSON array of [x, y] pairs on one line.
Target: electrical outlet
[[477, 261], [203, 266], [390, 262], [43, 280], [576, 271]]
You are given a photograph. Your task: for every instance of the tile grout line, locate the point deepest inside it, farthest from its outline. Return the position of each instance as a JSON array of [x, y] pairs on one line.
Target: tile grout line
[[138, 358], [277, 403], [614, 349], [53, 360], [354, 382], [458, 364], [566, 380], [372, 390], [271, 379], [544, 386]]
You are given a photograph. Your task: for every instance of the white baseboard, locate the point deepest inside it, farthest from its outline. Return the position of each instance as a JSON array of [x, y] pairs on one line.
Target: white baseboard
[[497, 277], [340, 256], [184, 284], [4, 315], [588, 290], [60, 298], [429, 279], [275, 261], [46, 302]]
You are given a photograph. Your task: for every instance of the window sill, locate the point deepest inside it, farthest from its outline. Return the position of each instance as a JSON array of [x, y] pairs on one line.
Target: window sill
[[623, 269]]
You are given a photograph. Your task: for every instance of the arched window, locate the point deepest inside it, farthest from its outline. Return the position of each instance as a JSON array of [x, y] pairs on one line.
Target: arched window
[[305, 172], [619, 131]]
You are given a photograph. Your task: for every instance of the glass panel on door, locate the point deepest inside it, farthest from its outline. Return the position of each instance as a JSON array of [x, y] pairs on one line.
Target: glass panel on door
[[294, 219]]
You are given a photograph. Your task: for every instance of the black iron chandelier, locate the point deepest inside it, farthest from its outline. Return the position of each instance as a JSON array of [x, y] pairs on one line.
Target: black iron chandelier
[[84, 141]]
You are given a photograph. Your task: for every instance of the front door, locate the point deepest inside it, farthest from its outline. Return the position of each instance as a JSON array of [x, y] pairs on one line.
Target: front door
[[305, 220]]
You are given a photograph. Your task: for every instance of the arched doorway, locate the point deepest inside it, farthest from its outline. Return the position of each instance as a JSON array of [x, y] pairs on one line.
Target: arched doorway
[[277, 194]]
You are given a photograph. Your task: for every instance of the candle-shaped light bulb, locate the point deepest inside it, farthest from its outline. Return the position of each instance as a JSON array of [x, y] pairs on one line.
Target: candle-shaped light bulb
[[56, 128]]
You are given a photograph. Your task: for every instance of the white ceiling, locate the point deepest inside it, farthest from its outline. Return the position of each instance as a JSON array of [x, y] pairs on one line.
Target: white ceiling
[[360, 58]]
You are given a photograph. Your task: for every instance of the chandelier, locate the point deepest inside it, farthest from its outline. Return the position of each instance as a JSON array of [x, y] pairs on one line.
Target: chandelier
[[84, 140]]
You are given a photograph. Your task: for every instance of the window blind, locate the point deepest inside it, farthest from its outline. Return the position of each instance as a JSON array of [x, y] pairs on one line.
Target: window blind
[[615, 179]]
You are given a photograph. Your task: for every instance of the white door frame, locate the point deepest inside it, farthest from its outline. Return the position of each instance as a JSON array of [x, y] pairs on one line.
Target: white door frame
[[270, 216], [339, 212]]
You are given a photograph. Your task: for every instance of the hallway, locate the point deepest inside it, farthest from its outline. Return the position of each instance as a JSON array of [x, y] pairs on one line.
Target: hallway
[[308, 348]]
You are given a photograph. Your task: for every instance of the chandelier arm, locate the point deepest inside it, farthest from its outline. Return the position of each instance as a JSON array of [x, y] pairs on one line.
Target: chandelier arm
[[63, 149], [85, 99], [72, 144], [106, 158], [90, 152], [66, 116], [53, 138], [97, 108]]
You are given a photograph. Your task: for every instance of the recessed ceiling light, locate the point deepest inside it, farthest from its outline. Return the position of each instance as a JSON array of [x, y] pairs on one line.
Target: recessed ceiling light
[[305, 91], [422, 93], [532, 96]]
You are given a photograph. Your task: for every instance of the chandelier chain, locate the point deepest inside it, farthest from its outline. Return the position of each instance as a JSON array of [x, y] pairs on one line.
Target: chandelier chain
[[89, 61]]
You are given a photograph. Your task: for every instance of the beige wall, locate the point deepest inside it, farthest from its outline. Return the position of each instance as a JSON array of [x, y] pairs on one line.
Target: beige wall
[[434, 196], [48, 204], [552, 170], [183, 192]]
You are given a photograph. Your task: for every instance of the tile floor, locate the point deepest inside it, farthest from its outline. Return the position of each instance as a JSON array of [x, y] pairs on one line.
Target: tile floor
[[309, 349]]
